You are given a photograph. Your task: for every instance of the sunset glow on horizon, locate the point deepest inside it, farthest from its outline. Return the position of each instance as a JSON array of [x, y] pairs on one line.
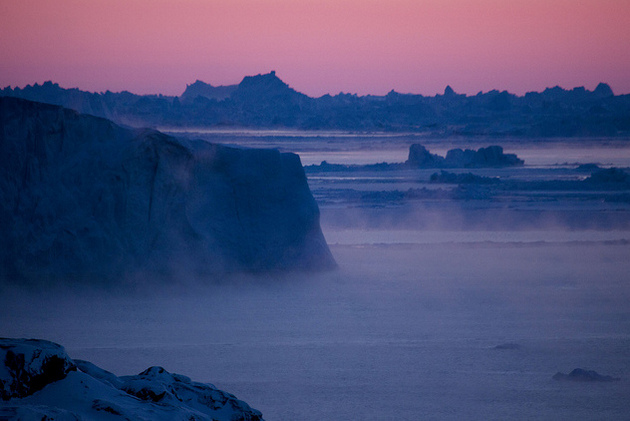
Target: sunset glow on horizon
[[317, 46]]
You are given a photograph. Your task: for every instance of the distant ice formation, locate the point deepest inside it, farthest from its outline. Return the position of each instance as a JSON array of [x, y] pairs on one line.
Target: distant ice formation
[[420, 157], [265, 101], [581, 375], [38, 380], [492, 156], [81, 197]]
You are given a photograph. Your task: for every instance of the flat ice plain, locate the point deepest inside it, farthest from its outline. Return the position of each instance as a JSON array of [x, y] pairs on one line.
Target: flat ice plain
[[408, 326]]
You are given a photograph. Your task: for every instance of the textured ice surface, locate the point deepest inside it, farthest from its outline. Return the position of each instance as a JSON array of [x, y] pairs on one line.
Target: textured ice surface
[[27, 365], [81, 197], [63, 392]]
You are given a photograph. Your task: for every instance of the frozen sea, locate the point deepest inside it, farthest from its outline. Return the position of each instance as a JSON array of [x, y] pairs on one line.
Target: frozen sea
[[411, 325]]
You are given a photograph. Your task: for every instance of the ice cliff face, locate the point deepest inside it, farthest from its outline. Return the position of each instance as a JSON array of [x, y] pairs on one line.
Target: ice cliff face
[[82, 197], [39, 381]]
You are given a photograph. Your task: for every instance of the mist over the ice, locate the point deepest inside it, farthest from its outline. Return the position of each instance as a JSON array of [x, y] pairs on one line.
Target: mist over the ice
[[397, 330], [449, 302], [85, 200]]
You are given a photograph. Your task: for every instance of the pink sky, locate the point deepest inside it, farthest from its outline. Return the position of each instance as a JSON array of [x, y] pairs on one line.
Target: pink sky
[[317, 46]]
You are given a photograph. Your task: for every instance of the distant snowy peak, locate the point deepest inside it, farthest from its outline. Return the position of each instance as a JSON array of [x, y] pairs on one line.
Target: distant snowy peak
[[82, 198], [603, 90], [265, 87], [39, 381], [261, 87], [449, 92], [205, 90]]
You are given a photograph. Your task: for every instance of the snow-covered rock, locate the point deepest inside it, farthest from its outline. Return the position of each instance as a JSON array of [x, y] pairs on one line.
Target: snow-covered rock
[[82, 197], [158, 385], [30, 364], [93, 393]]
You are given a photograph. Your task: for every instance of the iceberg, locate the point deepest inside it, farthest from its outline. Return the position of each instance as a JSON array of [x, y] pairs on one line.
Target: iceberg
[[83, 198]]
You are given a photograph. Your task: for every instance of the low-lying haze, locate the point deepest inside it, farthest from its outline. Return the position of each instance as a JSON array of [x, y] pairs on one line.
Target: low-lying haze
[[426, 314]]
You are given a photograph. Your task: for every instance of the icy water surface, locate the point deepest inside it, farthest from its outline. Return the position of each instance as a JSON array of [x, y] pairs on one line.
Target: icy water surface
[[369, 148], [397, 332]]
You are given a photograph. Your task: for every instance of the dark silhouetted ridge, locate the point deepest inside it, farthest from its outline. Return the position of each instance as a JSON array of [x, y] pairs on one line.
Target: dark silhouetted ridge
[[205, 90], [265, 101]]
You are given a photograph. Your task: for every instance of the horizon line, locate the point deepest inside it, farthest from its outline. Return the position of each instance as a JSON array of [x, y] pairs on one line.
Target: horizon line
[[273, 73]]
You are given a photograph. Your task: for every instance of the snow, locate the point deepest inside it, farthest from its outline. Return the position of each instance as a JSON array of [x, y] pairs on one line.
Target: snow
[[30, 364], [95, 394]]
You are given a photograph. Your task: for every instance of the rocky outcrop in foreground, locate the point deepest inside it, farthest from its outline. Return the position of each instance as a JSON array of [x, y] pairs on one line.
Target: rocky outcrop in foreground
[[39, 381], [82, 198]]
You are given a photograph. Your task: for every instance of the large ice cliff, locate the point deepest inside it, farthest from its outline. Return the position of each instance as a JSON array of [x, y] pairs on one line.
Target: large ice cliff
[[81, 197]]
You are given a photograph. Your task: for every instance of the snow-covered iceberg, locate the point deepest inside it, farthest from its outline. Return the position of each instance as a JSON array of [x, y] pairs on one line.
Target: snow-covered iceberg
[[490, 157], [81, 197], [38, 380]]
